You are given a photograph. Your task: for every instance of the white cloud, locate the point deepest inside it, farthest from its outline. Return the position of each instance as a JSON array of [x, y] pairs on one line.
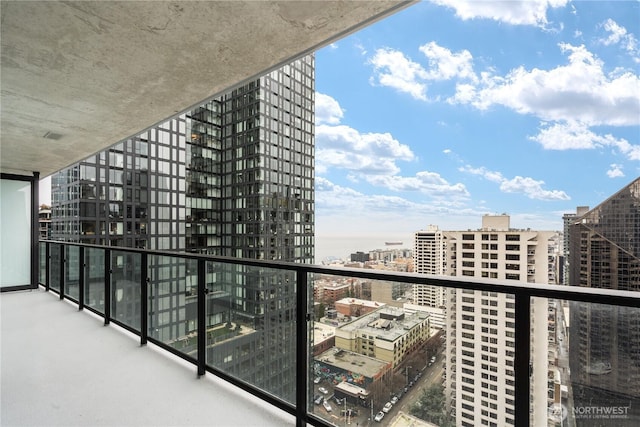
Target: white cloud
[[619, 35], [328, 110], [527, 12], [617, 32], [525, 185], [578, 91], [573, 135], [368, 153], [532, 188], [445, 65], [615, 171], [331, 197], [429, 183], [393, 69]]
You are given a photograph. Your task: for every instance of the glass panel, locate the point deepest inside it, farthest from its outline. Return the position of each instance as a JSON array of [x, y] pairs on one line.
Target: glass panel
[[94, 278], [594, 365], [15, 227], [173, 308], [72, 272], [55, 252], [376, 352], [125, 288], [385, 350], [42, 279], [251, 325]]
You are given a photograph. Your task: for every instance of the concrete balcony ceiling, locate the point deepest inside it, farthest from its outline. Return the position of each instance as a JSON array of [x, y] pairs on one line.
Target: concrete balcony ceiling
[[80, 76]]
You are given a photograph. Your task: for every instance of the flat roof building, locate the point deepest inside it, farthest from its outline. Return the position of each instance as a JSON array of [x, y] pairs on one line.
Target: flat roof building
[[389, 334]]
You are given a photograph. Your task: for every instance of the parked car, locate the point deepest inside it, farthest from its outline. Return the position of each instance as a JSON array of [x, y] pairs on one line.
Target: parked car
[[317, 380], [387, 407], [394, 400], [379, 416], [326, 406], [318, 399], [323, 390]]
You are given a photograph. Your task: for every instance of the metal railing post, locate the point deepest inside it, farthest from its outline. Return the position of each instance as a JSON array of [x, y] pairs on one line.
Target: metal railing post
[[144, 298], [62, 270], [47, 266], [81, 266], [522, 358], [107, 286], [202, 327], [302, 346]]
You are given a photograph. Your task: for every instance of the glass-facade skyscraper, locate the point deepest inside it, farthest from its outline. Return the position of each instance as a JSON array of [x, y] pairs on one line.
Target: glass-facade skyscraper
[[233, 177], [605, 340]]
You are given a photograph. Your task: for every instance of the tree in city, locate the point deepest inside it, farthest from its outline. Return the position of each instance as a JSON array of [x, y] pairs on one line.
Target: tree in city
[[430, 406]]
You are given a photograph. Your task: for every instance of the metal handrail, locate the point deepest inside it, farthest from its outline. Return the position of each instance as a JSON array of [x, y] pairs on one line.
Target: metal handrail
[[523, 292]]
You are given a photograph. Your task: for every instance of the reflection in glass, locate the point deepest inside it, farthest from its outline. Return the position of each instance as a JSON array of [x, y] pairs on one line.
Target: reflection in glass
[[125, 288], [251, 325], [42, 275], [173, 306], [55, 253], [603, 345], [94, 278], [72, 272]]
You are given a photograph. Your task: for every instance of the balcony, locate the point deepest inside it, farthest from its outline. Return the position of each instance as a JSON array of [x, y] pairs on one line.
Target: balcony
[[178, 317], [84, 374]]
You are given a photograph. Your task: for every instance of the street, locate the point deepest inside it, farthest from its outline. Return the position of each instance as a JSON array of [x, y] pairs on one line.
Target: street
[[430, 375]]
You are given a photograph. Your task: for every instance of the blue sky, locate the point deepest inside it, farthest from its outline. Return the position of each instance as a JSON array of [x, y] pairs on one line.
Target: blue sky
[[450, 109]]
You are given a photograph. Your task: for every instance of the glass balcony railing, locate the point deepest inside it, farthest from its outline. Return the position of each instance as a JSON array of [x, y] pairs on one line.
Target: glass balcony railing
[[339, 346]]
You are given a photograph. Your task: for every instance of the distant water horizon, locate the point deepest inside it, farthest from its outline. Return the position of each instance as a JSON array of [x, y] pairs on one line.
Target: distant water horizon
[[343, 246]]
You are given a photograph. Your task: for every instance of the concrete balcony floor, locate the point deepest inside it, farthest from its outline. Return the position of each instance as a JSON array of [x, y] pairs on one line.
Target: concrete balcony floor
[[62, 367]]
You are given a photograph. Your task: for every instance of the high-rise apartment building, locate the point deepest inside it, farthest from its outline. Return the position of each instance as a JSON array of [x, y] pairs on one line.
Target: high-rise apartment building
[[480, 326], [44, 221], [233, 177], [567, 220], [429, 257], [605, 340]]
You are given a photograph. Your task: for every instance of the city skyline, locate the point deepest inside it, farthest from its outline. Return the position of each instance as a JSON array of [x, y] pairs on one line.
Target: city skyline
[[405, 107], [507, 88]]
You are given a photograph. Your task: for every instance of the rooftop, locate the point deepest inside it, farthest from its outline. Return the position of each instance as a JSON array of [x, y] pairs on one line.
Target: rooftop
[[350, 361], [389, 330]]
